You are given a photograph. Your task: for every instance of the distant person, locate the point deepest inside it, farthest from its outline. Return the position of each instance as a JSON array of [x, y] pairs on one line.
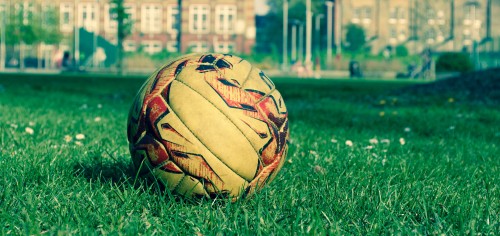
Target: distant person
[[299, 68], [67, 62], [387, 53], [355, 69]]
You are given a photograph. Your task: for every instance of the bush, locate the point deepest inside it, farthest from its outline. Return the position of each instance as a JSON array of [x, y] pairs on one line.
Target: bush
[[454, 62], [355, 37], [401, 51]]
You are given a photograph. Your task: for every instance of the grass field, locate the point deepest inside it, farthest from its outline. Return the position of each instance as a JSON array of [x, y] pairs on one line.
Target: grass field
[[360, 162]]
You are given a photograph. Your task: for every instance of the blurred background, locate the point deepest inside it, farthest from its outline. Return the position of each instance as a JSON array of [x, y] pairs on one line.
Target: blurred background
[[417, 39]]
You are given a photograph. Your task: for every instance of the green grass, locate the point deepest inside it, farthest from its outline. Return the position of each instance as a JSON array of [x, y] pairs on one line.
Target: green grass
[[444, 179]]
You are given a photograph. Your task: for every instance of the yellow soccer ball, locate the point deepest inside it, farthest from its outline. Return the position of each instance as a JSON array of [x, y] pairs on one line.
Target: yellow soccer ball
[[209, 125]]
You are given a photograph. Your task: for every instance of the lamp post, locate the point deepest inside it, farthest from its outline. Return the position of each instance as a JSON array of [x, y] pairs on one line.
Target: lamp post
[[285, 35], [318, 39], [301, 43], [294, 42], [95, 61], [338, 28], [76, 34], [308, 61], [329, 25], [295, 24], [2, 34]]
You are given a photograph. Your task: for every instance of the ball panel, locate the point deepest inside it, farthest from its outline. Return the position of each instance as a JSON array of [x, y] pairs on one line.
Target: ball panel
[[237, 104], [193, 157], [214, 130], [190, 186], [239, 70], [168, 178], [258, 81], [266, 174]]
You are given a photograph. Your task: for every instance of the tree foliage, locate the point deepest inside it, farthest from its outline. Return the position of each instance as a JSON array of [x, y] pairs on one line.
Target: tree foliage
[[355, 38], [27, 25], [51, 33], [296, 12], [454, 62]]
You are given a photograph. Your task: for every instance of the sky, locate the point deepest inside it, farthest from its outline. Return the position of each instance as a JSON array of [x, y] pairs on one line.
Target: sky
[[261, 7]]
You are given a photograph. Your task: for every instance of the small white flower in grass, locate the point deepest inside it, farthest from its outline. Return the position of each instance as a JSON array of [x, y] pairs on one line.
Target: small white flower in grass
[[29, 130], [320, 170], [407, 129], [15, 126], [290, 161], [334, 140], [68, 138], [402, 141], [349, 143], [97, 119], [80, 136], [31, 123], [385, 141], [373, 141], [99, 106], [78, 143], [370, 147]]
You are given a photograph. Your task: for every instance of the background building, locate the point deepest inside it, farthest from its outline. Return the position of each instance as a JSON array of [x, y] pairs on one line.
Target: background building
[[443, 25], [173, 26]]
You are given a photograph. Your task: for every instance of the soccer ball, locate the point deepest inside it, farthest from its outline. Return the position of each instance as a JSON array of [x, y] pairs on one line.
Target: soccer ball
[[209, 125]]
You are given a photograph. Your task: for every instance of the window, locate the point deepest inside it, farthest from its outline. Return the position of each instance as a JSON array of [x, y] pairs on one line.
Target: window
[[430, 36], [402, 35], [367, 15], [225, 19], [172, 18], [198, 47], [224, 47], [129, 46], [25, 10], [172, 46], [471, 22], [440, 17], [470, 13], [152, 47], [198, 19], [362, 15], [87, 16], [66, 15], [49, 15], [151, 18], [397, 15], [431, 16], [393, 15], [110, 18], [356, 15]]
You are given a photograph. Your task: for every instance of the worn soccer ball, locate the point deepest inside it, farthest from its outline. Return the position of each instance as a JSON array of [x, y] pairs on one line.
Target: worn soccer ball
[[209, 125]]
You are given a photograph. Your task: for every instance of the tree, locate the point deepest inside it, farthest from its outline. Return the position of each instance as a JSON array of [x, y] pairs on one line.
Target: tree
[[124, 28], [296, 11], [21, 28], [50, 23], [355, 37]]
